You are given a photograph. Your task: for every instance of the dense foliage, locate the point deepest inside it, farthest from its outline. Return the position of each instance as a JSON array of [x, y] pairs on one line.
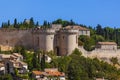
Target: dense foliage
[[20, 25], [6, 77], [109, 34], [81, 68], [75, 66]]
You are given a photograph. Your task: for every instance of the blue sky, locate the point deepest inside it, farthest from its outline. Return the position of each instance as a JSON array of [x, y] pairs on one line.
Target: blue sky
[[89, 12]]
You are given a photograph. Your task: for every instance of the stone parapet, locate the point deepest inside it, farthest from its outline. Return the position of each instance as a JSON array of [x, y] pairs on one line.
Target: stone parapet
[[69, 31], [13, 29], [44, 31]]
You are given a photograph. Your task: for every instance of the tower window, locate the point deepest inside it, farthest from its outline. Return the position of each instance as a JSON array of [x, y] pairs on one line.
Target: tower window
[[86, 32], [37, 41], [76, 39], [63, 37], [6, 41]]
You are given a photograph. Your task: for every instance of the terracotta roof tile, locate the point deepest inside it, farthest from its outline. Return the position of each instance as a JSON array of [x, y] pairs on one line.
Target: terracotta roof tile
[[107, 43], [37, 72], [55, 73], [49, 73]]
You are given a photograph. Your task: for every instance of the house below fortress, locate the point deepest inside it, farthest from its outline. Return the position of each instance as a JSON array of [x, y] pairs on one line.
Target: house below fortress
[[60, 40], [106, 46], [104, 51]]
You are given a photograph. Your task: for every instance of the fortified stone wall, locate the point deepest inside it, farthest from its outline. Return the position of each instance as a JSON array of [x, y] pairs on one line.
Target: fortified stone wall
[[44, 39], [105, 55], [63, 42], [68, 41], [13, 37]]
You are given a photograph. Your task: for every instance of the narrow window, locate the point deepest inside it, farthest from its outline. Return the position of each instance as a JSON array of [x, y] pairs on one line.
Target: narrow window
[[86, 32], [6, 41], [63, 37], [76, 39], [82, 32], [37, 41]]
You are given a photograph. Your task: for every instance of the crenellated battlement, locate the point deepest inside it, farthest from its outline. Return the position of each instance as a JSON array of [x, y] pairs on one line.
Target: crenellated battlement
[[58, 40], [35, 30], [69, 31], [40, 30], [13, 30], [44, 31]]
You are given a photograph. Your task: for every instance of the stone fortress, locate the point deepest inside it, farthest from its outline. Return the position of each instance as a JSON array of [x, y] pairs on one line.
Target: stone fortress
[[60, 40]]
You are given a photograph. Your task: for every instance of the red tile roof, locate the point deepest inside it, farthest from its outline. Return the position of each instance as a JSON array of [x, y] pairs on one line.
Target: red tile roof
[[37, 72], [107, 43], [48, 73], [55, 73]]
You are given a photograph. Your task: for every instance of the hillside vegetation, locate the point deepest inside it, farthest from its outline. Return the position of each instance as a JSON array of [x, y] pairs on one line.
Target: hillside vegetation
[[75, 66]]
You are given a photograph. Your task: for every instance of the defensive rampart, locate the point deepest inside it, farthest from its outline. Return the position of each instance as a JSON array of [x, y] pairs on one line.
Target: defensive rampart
[[14, 37]]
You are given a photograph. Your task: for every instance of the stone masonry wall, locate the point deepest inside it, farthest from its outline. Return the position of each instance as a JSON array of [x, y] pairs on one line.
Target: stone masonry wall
[[13, 37], [63, 42]]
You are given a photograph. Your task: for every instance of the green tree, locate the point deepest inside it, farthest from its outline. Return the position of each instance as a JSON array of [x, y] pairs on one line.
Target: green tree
[[74, 71], [43, 62], [72, 22], [114, 60], [98, 38], [109, 33], [31, 24], [4, 25], [45, 24], [17, 49], [63, 22], [34, 60], [99, 30], [6, 77], [77, 52], [23, 52], [77, 67], [88, 43], [8, 23], [37, 24], [118, 36], [15, 23], [92, 30]]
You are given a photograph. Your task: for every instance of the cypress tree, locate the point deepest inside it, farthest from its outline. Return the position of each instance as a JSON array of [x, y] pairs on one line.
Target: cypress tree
[[37, 24], [34, 60], [43, 62], [31, 24], [8, 23], [15, 23]]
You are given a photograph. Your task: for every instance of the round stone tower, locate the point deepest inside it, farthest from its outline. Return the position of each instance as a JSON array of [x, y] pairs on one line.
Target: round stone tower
[[68, 41], [49, 39], [44, 39]]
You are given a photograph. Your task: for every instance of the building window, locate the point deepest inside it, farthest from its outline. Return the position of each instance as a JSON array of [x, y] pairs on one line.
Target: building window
[[63, 37], [37, 41], [86, 32], [76, 39], [82, 32], [6, 41]]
